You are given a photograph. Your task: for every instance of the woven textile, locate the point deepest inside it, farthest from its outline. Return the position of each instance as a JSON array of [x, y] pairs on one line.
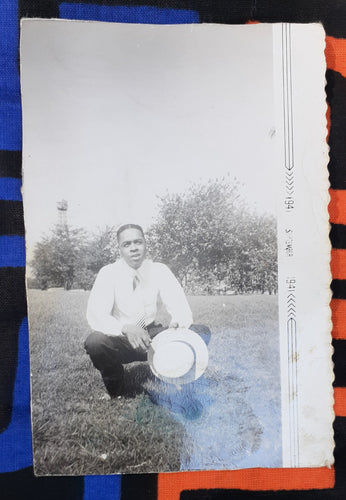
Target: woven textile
[[17, 480]]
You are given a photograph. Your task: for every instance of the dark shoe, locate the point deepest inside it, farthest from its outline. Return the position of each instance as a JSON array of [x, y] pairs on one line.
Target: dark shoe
[[114, 386], [127, 387]]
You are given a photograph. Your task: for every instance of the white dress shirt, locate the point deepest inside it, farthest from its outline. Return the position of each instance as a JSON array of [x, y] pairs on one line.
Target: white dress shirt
[[114, 302]]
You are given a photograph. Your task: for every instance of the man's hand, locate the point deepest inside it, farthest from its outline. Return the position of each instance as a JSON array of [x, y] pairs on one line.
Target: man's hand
[[174, 325], [137, 336]]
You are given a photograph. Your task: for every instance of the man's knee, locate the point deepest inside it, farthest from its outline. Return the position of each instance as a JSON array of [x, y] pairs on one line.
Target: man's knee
[[94, 343]]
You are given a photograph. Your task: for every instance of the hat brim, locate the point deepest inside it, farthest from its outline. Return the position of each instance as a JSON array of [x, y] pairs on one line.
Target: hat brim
[[182, 336]]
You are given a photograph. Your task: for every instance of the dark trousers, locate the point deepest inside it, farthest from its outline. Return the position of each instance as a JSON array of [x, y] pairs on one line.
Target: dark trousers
[[109, 354]]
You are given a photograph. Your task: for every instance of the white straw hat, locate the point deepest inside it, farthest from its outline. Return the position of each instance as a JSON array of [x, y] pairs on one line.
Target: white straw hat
[[178, 356]]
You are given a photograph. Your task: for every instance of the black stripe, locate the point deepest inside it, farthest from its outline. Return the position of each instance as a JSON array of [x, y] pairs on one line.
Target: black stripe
[[338, 235], [270, 11], [340, 455], [226, 12], [10, 164], [12, 296], [38, 8], [331, 14], [12, 312], [333, 17], [339, 359], [8, 366], [265, 495], [139, 487], [11, 218], [336, 97], [23, 485], [339, 289]]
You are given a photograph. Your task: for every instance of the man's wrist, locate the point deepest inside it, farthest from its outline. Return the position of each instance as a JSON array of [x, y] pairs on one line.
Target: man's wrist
[[129, 329]]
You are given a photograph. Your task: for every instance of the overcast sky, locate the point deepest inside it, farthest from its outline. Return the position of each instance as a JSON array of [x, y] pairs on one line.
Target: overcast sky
[[115, 114]]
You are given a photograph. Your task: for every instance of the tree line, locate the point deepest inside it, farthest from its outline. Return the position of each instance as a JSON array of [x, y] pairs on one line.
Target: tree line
[[207, 235]]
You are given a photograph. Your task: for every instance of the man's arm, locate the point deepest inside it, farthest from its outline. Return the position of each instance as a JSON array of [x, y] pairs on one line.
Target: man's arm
[[99, 313], [173, 298], [100, 305]]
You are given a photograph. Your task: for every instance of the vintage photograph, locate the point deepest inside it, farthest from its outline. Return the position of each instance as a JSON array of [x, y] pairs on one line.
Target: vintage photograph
[[151, 191]]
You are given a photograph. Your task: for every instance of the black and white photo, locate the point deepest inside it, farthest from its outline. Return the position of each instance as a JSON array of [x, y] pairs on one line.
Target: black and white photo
[[163, 192]]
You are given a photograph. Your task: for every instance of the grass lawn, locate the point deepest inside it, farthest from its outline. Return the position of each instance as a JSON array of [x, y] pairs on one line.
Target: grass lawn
[[78, 431]]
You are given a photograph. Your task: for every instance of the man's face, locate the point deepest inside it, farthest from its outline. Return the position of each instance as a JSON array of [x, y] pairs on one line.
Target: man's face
[[132, 247]]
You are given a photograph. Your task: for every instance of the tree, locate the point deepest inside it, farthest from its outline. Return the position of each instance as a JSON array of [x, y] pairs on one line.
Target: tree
[[254, 267], [102, 249], [58, 256], [70, 257], [192, 230], [41, 263], [84, 278], [212, 241]]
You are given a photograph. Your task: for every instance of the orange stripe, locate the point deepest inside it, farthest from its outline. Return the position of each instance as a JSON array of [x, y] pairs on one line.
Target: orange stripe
[[337, 206], [171, 485], [335, 53], [338, 263], [338, 307], [340, 401]]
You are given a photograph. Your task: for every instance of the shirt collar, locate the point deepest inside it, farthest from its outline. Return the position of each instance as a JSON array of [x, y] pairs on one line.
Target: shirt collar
[[141, 271]]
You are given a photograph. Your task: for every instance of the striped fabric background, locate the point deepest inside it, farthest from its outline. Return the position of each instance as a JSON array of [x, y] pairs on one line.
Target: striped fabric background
[[16, 476]]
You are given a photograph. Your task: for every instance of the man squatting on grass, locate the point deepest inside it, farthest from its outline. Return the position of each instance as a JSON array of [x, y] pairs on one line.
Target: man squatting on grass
[[122, 309]]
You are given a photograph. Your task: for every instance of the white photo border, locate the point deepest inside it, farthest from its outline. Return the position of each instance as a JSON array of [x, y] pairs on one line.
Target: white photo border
[[303, 246]]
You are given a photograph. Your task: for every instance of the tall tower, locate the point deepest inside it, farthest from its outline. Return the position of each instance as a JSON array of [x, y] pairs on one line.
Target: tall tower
[[62, 212]]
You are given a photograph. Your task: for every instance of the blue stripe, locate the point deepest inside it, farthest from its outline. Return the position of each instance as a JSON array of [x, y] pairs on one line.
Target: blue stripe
[[10, 110], [127, 14], [15, 441], [102, 488], [10, 189], [12, 251]]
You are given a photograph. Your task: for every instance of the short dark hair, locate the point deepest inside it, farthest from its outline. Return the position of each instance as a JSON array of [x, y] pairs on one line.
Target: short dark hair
[[129, 226]]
